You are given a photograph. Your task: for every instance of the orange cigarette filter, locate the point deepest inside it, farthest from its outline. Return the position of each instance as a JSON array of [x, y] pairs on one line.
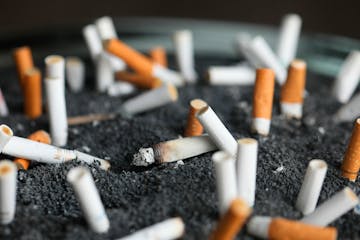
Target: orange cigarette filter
[[263, 93], [293, 89], [193, 126], [140, 81], [23, 61], [351, 162], [281, 229], [32, 93], [232, 221], [158, 55], [39, 136]]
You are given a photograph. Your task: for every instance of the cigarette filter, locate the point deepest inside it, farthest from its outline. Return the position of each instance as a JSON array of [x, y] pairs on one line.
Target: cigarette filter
[[342, 202], [351, 162], [184, 53], [55, 68], [158, 55], [150, 99], [5, 134], [174, 150], [106, 28], [241, 75], [246, 163], [263, 101], [75, 73], [217, 130], [169, 229], [8, 177], [311, 186], [232, 221], [141, 63], [350, 111], [225, 179], [32, 93], [138, 80], [38, 136], [289, 38], [104, 72], [280, 228], [193, 126], [292, 92], [93, 41], [348, 78], [243, 44], [118, 89], [88, 196], [4, 111], [23, 61]]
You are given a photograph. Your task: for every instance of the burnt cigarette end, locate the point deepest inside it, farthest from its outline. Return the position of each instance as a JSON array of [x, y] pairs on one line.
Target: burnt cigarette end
[[144, 157]]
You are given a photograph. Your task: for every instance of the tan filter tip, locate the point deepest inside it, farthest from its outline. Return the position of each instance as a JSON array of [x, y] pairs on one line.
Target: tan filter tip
[[193, 126], [173, 92], [293, 89], [263, 93]]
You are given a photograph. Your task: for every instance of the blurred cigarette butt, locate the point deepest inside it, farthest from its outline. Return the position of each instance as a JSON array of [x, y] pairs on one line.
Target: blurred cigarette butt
[[90, 118], [263, 100], [351, 162], [193, 126], [8, 178], [140, 81], [75, 73], [32, 93], [4, 111], [158, 55], [39, 136], [232, 221], [292, 92], [24, 61]]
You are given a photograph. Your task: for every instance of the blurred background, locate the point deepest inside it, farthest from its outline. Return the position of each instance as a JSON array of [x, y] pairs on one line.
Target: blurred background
[[321, 16]]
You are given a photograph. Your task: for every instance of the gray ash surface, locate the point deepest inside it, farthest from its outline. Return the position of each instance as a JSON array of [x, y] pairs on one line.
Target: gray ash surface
[[138, 197]]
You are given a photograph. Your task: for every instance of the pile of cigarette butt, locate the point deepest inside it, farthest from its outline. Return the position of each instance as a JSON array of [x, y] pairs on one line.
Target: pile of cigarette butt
[[122, 71]]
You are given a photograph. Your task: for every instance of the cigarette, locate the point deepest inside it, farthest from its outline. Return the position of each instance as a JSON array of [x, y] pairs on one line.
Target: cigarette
[[23, 61], [32, 93], [193, 126], [174, 150], [289, 38], [333, 208], [138, 80], [242, 41], [158, 55], [184, 53], [348, 78], [55, 68], [141, 64], [242, 75], [351, 164], [8, 178], [39, 136], [151, 99], [232, 221], [263, 101], [4, 111], [93, 41], [88, 196], [104, 73], [75, 73], [350, 111], [225, 179], [311, 186], [118, 89], [246, 163], [169, 229], [106, 28], [217, 130], [84, 119], [292, 92], [280, 228]]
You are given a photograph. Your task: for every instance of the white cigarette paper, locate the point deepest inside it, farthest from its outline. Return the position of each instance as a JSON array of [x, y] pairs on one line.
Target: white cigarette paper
[[258, 226], [75, 73], [118, 89], [55, 67], [169, 229], [350, 111], [243, 40], [5, 134], [348, 77], [261, 126], [333, 208], [88, 196], [174, 150], [311, 186], [168, 76], [289, 38], [106, 28], [104, 72], [93, 41], [291, 110], [184, 53], [8, 178], [4, 111], [217, 130], [231, 75], [225, 179], [246, 163]]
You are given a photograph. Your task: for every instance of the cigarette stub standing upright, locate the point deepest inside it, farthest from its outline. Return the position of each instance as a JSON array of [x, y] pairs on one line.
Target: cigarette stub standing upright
[[75, 73], [4, 111], [23, 61], [158, 55], [93, 41], [104, 72], [8, 178], [263, 101], [32, 93], [193, 126], [88, 196]]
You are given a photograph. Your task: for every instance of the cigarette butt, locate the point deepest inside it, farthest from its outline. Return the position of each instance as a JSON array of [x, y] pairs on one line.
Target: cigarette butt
[[193, 126], [32, 93], [241, 75], [24, 61], [140, 81], [8, 178], [105, 28], [243, 40], [263, 100], [118, 89], [158, 55], [75, 73], [104, 72], [4, 111], [84, 119], [93, 41], [232, 221], [5, 134], [55, 67], [348, 112], [292, 92], [351, 162], [39, 136]]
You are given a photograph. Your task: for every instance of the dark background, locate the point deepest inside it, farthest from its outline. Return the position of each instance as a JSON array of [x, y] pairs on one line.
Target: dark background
[[335, 17]]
